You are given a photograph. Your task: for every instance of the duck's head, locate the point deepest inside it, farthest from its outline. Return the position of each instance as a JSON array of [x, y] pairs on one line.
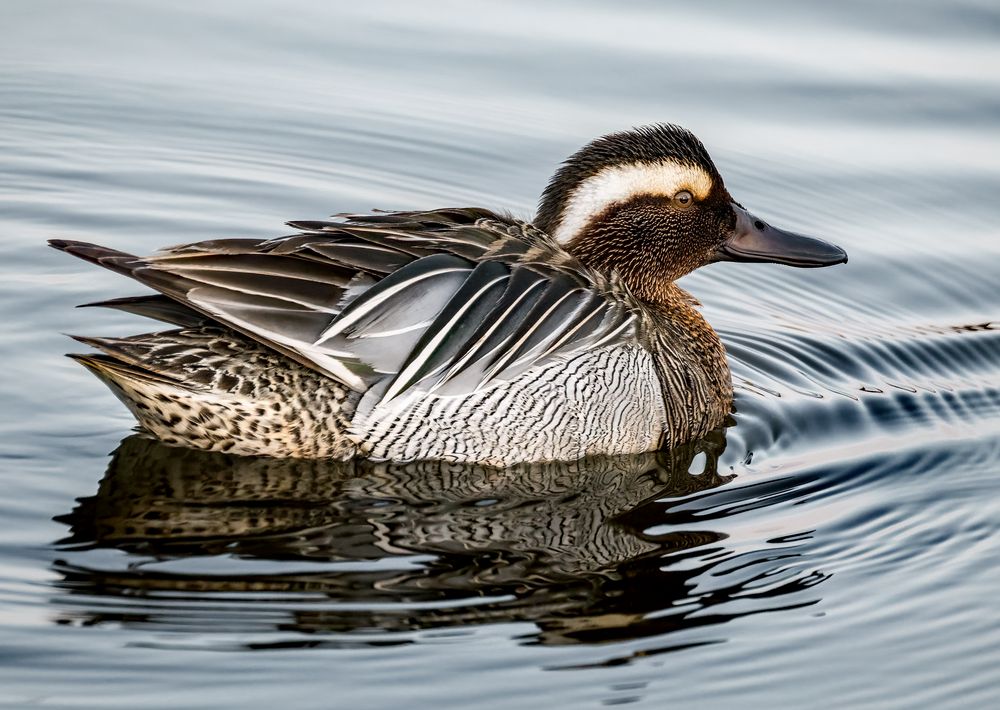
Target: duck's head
[[650, 204]]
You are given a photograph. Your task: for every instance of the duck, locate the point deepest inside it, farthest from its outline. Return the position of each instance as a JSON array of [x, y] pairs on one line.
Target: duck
[[461, 334]]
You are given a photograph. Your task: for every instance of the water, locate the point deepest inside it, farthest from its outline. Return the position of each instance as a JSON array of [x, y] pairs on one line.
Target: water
[[837, 546]]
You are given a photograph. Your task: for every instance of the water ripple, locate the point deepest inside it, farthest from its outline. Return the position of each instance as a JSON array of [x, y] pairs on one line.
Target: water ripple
[[843, 526]]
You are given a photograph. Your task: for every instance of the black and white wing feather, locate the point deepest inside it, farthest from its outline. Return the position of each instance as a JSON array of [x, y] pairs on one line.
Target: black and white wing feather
[[442, 302]]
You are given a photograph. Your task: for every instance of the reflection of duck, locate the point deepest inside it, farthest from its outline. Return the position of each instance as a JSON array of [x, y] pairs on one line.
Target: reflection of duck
[[455, 334], [562, 545]]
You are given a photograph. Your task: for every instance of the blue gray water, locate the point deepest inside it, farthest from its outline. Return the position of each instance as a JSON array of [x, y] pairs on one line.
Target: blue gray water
[[837, 546]]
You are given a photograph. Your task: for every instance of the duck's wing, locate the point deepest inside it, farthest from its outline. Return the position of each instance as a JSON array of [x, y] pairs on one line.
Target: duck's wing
[[445, 301]]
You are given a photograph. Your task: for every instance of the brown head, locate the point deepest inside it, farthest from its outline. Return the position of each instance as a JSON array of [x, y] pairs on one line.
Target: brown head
[[650, 204]]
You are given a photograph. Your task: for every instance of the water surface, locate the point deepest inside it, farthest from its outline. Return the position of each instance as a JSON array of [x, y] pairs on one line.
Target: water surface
[[835, 545]]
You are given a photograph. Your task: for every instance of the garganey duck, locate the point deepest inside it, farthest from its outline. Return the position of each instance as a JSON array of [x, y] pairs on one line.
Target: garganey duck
[[454, 334]]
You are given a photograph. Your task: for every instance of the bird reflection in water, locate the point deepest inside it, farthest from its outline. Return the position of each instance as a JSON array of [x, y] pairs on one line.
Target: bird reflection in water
[[590, 551]]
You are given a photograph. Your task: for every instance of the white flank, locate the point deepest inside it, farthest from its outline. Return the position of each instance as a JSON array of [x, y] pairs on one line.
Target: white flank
[[620, 183]]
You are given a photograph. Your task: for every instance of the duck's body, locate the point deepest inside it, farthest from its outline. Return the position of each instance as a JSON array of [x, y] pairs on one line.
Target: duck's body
[[456, 334]]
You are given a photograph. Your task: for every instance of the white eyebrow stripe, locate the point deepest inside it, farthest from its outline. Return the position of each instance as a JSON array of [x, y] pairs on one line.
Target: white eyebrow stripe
[[619, 183]]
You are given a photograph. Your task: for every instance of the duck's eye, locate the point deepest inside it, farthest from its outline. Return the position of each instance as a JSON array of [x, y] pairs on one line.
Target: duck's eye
[[683, 199]]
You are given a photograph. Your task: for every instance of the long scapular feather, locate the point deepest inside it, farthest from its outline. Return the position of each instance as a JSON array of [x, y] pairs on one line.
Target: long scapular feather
[[407, 277], [445, 335]]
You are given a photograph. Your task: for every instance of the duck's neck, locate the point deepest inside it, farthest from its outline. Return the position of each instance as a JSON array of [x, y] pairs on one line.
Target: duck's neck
[[697, 383], [645, 275]]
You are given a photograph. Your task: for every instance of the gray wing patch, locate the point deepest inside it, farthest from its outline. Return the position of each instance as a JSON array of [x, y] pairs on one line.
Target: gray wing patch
[[501, 320]]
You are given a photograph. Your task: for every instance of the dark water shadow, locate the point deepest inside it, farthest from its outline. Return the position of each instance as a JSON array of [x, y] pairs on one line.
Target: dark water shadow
[[314, 553]]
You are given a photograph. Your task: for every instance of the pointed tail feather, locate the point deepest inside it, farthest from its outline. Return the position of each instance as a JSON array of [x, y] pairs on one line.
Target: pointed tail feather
[[112, 259], [157, 307]]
